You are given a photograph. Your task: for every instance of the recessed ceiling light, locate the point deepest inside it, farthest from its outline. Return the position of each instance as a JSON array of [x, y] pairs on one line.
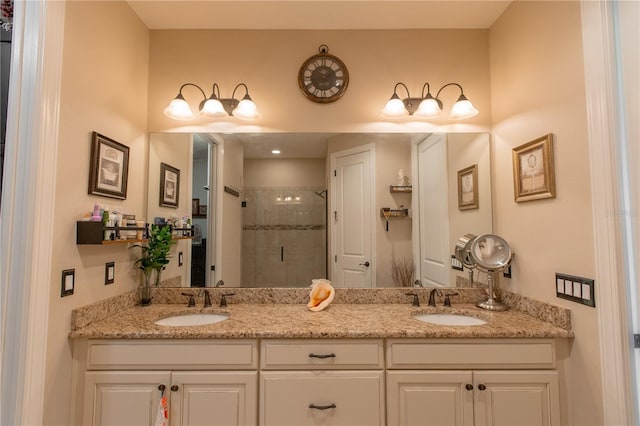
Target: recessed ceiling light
[[275, 151]]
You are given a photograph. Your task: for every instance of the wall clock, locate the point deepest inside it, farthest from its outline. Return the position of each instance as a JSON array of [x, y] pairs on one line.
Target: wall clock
[[323, 78]]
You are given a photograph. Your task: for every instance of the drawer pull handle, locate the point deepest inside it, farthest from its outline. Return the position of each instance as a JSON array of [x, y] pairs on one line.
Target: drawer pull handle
[[174, 388], [482, 387], [322, 407], [469, 387], [322, 356]]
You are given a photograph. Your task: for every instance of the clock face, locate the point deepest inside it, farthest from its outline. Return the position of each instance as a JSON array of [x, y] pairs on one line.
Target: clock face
[[323, 78]]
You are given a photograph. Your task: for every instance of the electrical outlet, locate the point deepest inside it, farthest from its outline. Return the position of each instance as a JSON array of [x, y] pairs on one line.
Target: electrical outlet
[[456, 264], [576, 289], [109, 273], [68, 282]]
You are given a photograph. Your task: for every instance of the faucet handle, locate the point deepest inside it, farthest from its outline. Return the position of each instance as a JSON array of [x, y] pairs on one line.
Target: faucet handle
[[192, 299], [416, 301], [223, 299], [447, 301], [220, 283]]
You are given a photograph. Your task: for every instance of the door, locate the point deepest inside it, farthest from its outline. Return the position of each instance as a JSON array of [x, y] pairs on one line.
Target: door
[[433, 211], [352, 218], [516, 398], [429, 398], [123, 398], [220, 398]]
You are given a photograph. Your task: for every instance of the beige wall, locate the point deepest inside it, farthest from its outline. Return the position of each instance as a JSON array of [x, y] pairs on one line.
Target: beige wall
[[268, 62], [176, 150], [104, 88], [537, 82], [297, 172]]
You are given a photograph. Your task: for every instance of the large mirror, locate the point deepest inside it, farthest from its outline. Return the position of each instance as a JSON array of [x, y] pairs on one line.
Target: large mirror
[[280, 209]]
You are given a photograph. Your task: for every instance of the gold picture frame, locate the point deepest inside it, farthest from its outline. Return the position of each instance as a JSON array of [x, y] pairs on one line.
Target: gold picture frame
[[533, 170], [468, 188]]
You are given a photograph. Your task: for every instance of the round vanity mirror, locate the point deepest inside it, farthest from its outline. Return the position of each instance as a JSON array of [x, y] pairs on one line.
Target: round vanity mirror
[[490, 252], [463, 248]]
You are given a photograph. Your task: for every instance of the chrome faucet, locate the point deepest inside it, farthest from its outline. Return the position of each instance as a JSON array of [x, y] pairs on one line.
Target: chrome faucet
[[220, 283], [432, 298]]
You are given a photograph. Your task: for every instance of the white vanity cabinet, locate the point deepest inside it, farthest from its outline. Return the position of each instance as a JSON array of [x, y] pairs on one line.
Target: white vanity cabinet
[[322, 382], [205, 383], [449, 382]]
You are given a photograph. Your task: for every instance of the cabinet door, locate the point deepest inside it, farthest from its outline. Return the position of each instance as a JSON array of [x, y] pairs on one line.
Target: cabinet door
[[349, 398], [123, 398], [516, 398], [429, 398], [213, 398]]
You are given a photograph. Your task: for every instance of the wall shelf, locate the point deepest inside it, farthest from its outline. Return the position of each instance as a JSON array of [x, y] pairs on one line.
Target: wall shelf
[[386, 212], [88, 232], [400, 188]]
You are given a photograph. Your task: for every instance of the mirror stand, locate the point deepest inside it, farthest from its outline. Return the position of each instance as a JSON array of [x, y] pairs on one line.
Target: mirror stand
[[492, 304]]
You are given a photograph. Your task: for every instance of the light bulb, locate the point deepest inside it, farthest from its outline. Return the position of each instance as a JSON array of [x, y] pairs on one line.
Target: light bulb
[[246, 110], [213, 108], [427, 108], [179, 109], [463, 109], [395, 107]]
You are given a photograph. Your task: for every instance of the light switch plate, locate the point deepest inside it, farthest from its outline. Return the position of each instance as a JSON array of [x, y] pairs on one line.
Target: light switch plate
[[576, 289], [68, 282], [180, 259], [109, 273]]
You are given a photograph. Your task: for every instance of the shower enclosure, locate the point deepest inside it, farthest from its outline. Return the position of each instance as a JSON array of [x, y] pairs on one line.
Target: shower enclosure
[[284, 236]]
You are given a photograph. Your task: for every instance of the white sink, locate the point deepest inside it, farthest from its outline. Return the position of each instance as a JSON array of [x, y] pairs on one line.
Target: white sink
[[192, 319], [449, 319]]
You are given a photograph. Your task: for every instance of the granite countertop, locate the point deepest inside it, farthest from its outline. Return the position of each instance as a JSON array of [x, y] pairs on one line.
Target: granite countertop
[[344, 320]]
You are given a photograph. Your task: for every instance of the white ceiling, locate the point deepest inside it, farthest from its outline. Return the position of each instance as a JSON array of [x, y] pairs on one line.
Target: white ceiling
[[318, 14]]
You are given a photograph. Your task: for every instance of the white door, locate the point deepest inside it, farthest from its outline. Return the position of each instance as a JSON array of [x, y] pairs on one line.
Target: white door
[[429, 398], [122, 398], [352, 218], [224, 398], [433, 211]]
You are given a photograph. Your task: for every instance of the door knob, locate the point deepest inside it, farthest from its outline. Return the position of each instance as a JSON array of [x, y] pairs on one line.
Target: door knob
[[365, 264]]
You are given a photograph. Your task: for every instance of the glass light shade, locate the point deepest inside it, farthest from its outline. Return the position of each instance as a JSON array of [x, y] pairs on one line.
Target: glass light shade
[[179, 109], [395, 108], [427, 108], [213, 108], [463, 109], [246, 110]]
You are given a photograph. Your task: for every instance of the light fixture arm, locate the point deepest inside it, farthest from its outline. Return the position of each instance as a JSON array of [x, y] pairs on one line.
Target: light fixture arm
[[450, 84], [246, 90], [395, 91], [190, 84]]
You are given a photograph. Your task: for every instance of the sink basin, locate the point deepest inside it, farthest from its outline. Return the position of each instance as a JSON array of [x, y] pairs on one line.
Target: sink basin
[[192, 319], [449, 319]]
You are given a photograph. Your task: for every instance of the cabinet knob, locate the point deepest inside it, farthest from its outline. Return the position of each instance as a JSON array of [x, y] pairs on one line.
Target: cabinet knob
[[174, 388], [322, 407], [482, 387], [469, 387]]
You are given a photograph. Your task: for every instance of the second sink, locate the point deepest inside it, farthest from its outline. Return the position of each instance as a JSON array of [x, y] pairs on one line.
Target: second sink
[[449, 319], [192, 319]]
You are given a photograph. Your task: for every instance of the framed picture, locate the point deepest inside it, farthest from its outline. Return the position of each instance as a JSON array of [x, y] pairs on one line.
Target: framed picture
[[109, 167], [195, 206], [202, 210], [533, 172], [468, 188], [169, 186]]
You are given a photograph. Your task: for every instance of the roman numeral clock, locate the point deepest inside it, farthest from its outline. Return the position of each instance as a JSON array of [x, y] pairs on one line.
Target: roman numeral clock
[[323, 78]]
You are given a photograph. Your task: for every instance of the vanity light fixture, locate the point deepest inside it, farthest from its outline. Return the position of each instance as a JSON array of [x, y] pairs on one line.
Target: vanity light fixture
[[214, 106], [275, 151], [427, 106]]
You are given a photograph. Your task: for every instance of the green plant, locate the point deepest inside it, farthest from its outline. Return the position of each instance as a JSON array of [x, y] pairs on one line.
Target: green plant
[[155, 251]]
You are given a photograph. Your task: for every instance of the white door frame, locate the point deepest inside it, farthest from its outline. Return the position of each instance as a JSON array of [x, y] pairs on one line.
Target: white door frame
[[600, 65], [333, 202], [28, 198]]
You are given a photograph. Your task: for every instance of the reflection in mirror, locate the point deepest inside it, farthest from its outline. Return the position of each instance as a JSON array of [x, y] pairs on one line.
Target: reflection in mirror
[[276, 213]]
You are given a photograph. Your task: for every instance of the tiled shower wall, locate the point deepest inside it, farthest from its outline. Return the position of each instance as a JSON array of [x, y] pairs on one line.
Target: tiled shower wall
[[284, 236]]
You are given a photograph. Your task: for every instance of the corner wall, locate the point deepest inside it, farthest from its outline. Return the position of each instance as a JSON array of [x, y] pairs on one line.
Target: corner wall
[[103, 89], [537, 87]]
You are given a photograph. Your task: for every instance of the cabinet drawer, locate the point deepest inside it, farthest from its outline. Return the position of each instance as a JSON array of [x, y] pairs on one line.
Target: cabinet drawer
[[173, 354], [504, 354], [349, 398], [323, 354]]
